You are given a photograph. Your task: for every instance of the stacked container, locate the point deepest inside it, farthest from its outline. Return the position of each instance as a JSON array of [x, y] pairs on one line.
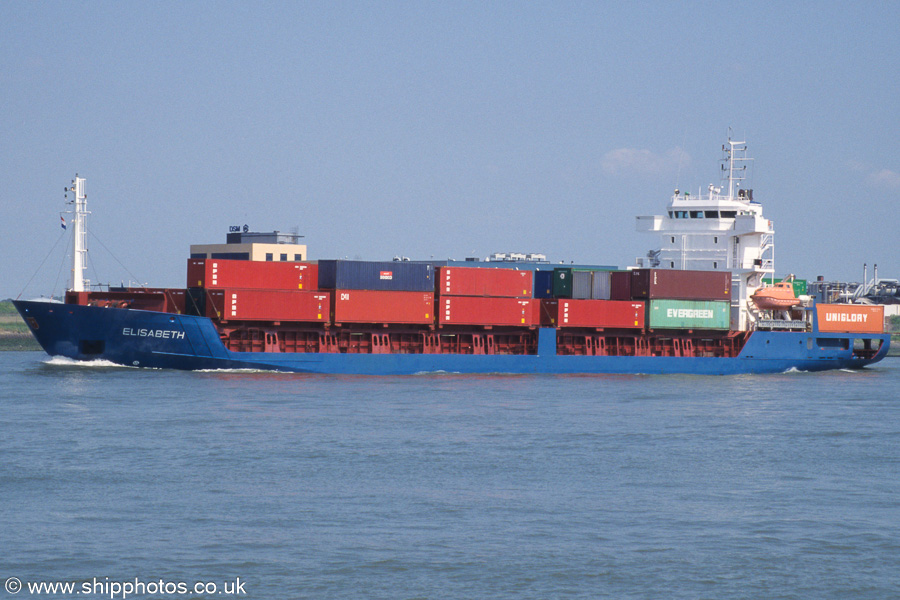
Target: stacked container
[[468, 281], [581, 284], [470, 310], [682, 285], [620, 285], [378, 306], [244, 290], [379, 292], [684, 299], [600, 285], [600, 314], [543, 284], [268, 305], [477, 296], [688, 314], [367, 275], [214, 273]]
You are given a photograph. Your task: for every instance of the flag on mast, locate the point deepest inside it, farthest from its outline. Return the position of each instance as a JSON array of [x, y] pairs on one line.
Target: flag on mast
[[63, 223]]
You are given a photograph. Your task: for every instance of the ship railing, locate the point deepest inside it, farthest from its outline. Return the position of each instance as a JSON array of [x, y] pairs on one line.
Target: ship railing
[[774, 324]]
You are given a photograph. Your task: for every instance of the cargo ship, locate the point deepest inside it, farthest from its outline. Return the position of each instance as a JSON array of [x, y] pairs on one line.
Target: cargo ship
[[257, 302]]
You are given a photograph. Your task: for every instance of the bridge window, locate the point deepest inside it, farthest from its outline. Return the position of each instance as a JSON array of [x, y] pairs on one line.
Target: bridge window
[[729, 214], [712, 214], [696, 214]]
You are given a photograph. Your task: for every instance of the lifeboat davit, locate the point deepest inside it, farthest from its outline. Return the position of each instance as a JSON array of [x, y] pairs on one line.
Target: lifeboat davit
[[777, 297]]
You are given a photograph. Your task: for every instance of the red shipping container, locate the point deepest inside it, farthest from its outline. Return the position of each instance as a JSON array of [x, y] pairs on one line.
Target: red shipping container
[[681, 285], [379, 306], [617, 314], [620, 285], [219, 273], [471, 310], [850, 318], [268, 305], [473, 281]]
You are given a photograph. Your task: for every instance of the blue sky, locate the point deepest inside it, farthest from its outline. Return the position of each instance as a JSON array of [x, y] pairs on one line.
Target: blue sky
[[431, 129]]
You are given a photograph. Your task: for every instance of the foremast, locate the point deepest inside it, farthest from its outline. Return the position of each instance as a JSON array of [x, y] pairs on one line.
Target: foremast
[[79, 233], [722, 230]]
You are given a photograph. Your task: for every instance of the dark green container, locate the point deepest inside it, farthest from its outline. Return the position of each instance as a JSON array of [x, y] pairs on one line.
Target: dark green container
[[562, 282], [689, 314]]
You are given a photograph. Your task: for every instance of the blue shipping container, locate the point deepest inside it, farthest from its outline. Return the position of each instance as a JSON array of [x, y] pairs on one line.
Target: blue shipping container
[[543, 284], [365, 275]]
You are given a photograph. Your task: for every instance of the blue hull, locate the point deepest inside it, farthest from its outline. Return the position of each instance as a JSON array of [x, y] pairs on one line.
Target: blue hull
[[174, 341]]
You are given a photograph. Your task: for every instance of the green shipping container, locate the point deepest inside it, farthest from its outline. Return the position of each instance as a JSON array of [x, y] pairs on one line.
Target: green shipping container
[[562, 282], [798, 284], [689, 314]]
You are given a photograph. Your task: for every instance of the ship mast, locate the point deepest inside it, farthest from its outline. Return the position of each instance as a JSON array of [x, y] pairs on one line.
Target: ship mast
[[736, 166], [79, 233]]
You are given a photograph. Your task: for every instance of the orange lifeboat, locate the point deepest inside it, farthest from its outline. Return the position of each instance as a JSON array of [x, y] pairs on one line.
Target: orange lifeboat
[[777, 297]]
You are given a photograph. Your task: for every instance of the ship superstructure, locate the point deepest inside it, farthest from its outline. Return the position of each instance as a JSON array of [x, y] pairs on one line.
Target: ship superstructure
[[721, 230]]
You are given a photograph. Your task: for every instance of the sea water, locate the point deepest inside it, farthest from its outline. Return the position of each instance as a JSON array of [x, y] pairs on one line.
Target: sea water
[[138, 483]]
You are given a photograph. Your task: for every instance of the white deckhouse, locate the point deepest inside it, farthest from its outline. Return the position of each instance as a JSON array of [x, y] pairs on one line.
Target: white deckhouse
[[723, 230]]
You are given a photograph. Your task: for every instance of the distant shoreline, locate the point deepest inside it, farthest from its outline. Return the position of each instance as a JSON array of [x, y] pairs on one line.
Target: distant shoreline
[[14, 333], [894, 350]]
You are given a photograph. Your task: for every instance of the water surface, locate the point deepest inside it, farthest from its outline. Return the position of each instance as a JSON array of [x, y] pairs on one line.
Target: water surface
[[453, 487]]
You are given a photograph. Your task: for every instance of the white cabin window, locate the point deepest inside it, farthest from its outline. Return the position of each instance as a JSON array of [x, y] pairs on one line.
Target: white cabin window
[[673, 239], [715, 239]]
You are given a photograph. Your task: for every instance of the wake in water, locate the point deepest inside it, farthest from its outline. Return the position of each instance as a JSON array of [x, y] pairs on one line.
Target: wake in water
[[71, 362], [242, 371], [63, 361]]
